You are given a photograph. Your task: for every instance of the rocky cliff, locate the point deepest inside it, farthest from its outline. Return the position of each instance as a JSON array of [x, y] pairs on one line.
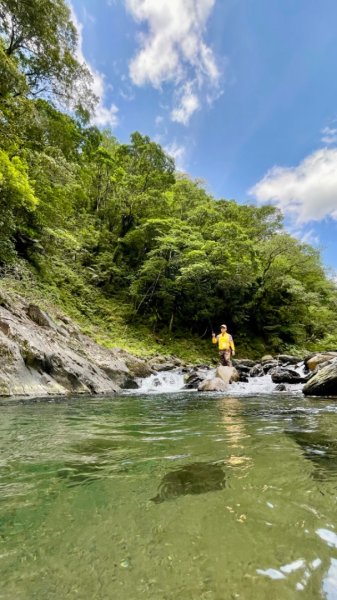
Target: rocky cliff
[[42, 355]]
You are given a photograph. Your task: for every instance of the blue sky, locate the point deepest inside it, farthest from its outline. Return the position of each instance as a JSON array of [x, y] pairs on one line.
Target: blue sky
[[243, 93]]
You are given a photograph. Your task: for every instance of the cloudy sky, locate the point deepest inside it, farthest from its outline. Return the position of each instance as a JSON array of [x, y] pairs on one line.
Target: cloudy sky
[[242, 93]]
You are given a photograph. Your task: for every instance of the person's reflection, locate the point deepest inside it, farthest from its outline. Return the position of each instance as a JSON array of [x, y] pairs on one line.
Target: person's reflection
[[231, 417]]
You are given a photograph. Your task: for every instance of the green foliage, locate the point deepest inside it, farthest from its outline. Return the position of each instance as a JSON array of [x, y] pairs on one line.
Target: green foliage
[[121, 241], [39, 51], [17, 200]]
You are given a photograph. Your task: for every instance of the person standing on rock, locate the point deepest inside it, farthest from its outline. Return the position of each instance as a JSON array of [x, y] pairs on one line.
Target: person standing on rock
[[226, 346]]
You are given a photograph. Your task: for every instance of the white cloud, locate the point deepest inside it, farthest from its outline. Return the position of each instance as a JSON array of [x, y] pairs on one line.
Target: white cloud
[[104, 116], [174, 51], [307, 192], [329, 135], [188, 104], [178, 153]]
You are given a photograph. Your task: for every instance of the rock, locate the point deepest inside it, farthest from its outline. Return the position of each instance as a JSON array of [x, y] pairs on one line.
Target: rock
[[243, 362], [227, 374], [288, 359], [195, 478], [39, 316], [137, 366], [266, 367], [213, 385], [130, 384], [324, 382], [39, 360], [283, 375], [195, 377], [313, 361], [256, 371], [267, 358], [162, 363], [280, 387]]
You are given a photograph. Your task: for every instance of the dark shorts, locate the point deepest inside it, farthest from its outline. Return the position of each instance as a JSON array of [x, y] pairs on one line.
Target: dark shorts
[[225, 357]]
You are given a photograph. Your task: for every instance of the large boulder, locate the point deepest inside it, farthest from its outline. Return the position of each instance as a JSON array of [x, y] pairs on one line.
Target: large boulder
[[324, 382], [313, 361], [213, 385], [227, 374], [284, 375]]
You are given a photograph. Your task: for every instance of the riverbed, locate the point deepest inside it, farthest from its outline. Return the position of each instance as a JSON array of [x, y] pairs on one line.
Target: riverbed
[[169, 496]]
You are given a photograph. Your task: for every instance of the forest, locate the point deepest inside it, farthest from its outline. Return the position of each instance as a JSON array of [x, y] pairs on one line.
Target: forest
[[111, 230]]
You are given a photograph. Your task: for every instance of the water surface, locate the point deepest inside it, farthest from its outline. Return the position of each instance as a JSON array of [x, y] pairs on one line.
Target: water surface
[[246, 498]]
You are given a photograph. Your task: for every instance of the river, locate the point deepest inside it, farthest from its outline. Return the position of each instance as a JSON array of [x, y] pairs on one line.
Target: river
[[169, 496]]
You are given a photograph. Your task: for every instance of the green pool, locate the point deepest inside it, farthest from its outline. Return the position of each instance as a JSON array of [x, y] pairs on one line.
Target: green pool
[[246, 494]]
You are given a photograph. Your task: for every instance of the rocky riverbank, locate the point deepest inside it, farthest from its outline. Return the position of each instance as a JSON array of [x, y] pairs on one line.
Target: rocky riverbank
[[317, 371], [45, 355]]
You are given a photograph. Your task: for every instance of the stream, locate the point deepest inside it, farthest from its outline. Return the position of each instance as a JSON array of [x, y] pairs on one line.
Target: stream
[[165, 494]]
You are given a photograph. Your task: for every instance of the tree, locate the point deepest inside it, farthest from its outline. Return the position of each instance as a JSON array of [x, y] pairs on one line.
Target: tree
[[39, 43]]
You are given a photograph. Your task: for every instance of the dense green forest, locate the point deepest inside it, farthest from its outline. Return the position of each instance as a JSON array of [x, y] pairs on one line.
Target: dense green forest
[[140, 254]]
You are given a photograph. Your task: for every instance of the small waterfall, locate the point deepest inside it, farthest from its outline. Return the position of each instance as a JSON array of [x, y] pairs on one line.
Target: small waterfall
[[163, 382], [168, 382]]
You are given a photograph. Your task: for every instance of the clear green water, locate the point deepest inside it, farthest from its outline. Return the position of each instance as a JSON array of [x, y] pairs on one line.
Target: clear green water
[[77, 478]]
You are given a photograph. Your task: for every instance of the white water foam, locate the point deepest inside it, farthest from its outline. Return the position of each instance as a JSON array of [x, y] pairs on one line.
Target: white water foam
[[163, 382], [170, 382]]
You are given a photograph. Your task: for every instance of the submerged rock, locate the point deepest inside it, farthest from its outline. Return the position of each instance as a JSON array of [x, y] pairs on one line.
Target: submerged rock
[[196, 478], [324, 382]]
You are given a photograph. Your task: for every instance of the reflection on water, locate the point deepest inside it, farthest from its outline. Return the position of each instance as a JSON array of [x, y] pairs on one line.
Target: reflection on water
[[252, 484]]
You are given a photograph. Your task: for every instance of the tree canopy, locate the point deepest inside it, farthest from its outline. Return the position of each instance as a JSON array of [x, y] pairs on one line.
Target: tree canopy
[[121, 219]]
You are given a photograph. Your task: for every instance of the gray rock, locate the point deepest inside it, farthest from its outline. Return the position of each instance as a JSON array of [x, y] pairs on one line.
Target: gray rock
[[280, 387], [284, 375], [268, 366], [40, 360], [314, 360], [324, 382], [288, 359], [213, 385], [39, 316], [195, 377], [227, 374], [243, 362], [266, 358], [256, 371]]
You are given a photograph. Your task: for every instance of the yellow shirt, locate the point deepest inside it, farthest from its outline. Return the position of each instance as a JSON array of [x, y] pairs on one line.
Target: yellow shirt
[[225, 341]]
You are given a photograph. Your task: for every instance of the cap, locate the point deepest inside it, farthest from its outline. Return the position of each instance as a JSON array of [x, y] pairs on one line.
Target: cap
[[223, 326]]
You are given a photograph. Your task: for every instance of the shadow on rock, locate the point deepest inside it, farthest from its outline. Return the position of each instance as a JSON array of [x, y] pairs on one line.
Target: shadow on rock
[[196, 478]]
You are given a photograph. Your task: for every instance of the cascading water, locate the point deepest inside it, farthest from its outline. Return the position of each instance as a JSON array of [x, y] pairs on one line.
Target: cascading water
[[162, 382], [165, 382]]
